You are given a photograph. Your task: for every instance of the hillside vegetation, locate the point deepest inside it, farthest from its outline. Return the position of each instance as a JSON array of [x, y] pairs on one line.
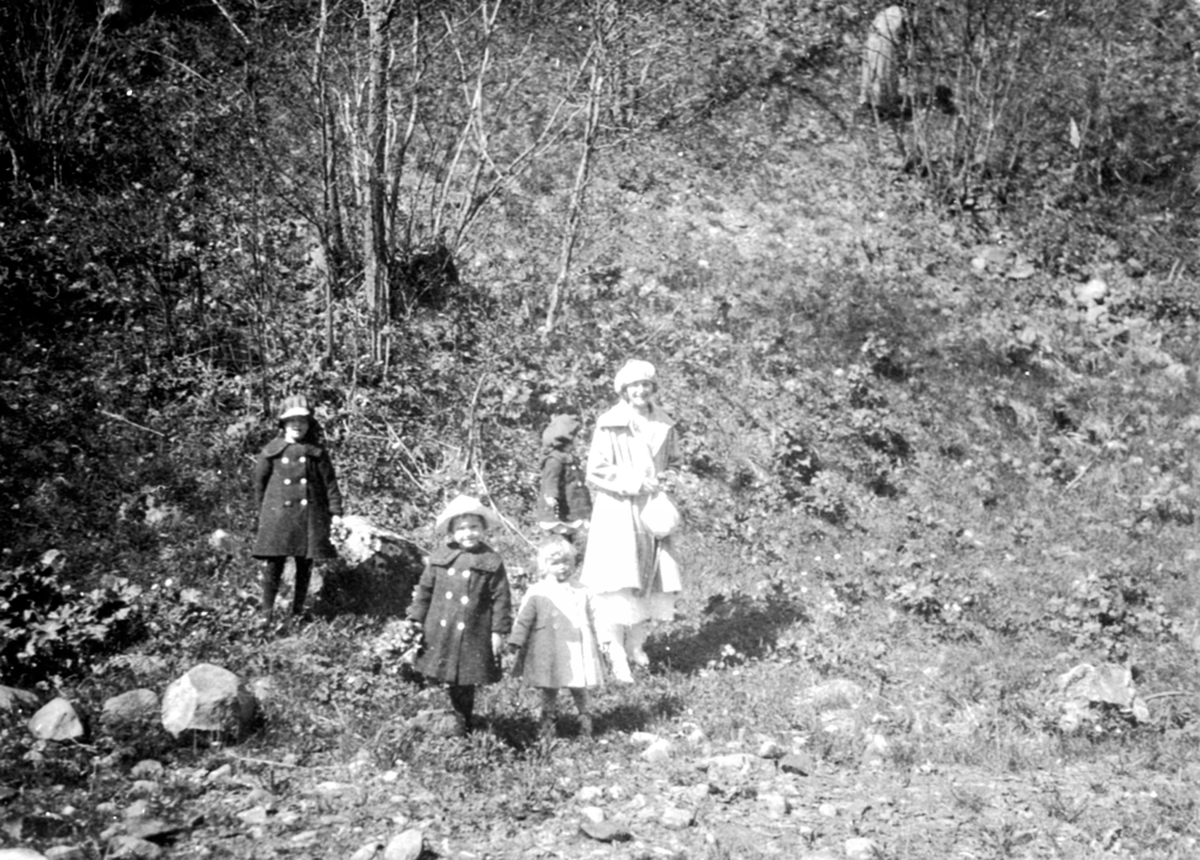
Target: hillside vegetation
[[934, 375]]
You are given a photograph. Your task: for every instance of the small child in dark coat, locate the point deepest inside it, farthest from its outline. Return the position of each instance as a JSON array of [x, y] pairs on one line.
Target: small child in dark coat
[[298, 500], [564, 503], [463, 607]]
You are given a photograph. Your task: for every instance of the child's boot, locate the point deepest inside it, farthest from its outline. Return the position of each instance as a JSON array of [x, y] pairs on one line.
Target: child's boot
[[546, 728], [636, 641], [582, 705], [462, 699], [617, 657]]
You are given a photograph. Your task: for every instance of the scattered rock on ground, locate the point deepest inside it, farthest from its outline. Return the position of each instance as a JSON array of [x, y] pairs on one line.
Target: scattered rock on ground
[[66, 852], [797, 763], [605, 831], [20, 854], [658, 751], [57, 720], [677, 819], [861, 848], [132, 848], [210, 699], [367, 851], [13, 700], [132, 710], [405, 846]]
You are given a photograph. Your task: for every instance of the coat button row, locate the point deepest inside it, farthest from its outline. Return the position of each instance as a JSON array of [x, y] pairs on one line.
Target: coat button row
[[289, 503], [298, 459], [288, 481]]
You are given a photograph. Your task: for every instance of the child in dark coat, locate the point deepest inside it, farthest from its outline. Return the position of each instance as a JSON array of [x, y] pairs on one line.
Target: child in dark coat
[[564, 503], [463, 607], [298, 500]]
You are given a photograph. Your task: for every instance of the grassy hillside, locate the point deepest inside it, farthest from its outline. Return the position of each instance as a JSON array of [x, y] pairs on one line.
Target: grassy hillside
[[936, 457]]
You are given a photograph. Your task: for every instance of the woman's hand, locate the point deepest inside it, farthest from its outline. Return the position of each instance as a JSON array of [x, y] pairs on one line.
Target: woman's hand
[[497, 644]]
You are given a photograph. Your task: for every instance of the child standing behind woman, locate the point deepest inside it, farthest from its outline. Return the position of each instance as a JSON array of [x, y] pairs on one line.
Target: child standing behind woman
[[555, 639], [564, 503], [463, 607], [297, 496]]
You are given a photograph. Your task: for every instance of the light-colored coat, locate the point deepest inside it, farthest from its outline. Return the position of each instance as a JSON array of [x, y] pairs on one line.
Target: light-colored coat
[[555, 635], [881, 86], [621, 551]]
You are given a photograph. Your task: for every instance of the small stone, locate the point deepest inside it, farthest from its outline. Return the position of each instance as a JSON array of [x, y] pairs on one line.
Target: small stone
[[677, 819], [147, 768], [659, 751], [137, 809], [20, 854], [66, 852], [593, 814], [729, 761], [616, 792], [219, 774], [769, 748], [589, 793], [605, 831], [145, 788], [129, 711], [367, 851], [827, 810], [642, 739], [390, 776], [797, 763], [696, 793], [696, 737], [861, 848], [257, 815], [132, 848], [56, 721], [11, 701], [774, 805], [408, 845]]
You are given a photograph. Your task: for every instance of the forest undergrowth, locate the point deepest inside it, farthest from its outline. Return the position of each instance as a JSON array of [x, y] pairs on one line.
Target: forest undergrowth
[[938, 452]]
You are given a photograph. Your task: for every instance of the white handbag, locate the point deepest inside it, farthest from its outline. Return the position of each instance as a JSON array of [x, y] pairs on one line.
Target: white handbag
[[659, 515]]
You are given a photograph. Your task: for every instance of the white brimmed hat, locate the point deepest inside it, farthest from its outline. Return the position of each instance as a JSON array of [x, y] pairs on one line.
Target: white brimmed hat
[[295, 406], [462, 506], [634, 370]]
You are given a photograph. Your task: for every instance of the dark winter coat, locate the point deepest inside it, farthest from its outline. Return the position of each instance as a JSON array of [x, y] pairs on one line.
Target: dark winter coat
[[563, 480], [297, 494], [462, 599]]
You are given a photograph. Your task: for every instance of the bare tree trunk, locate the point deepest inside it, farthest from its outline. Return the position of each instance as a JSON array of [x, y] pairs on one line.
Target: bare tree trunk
[[598, 59], [375, 257]]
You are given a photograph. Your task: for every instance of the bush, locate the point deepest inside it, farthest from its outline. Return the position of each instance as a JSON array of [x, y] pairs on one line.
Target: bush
[[48, 630]]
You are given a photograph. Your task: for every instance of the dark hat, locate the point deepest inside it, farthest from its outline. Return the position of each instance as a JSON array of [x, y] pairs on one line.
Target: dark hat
[[561, 427]]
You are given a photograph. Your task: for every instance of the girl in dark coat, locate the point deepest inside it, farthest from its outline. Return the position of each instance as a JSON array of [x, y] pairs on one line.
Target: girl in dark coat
[[298, 499], [463, 607]]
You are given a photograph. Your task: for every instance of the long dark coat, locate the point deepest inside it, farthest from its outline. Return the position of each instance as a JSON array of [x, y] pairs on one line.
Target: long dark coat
[[562, 480], [297, 494], [462, 599]]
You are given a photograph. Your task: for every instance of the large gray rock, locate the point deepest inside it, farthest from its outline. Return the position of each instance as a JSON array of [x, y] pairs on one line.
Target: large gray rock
[[375, 574], [208, 699], [130, 711], [57, 720]]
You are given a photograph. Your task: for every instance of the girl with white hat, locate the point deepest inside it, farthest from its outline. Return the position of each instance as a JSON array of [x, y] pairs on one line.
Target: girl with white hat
[[463, 607]]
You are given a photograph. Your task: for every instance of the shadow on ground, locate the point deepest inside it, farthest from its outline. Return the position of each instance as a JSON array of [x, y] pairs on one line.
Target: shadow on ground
[[737, 627]]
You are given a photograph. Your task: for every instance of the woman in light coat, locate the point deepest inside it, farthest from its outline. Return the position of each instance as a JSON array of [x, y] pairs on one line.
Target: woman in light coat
[[633, 574]]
